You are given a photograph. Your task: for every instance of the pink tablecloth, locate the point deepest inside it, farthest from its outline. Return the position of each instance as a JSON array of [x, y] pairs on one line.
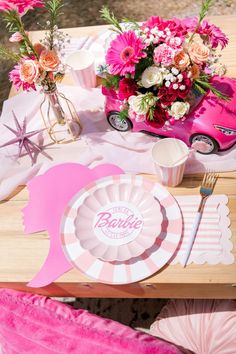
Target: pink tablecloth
[[98, 143]]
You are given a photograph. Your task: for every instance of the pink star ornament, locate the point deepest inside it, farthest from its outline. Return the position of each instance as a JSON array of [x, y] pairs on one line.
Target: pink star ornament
[[24, 141]]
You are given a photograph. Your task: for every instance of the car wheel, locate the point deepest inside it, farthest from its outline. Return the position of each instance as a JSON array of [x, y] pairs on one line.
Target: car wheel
[[204, 144], [122, 125]]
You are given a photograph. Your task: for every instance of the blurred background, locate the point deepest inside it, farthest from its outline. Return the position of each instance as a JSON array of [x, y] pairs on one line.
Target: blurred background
[[86, 13]]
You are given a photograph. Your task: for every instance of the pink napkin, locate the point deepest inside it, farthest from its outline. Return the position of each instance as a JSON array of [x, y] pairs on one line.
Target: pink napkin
[[213, 243]]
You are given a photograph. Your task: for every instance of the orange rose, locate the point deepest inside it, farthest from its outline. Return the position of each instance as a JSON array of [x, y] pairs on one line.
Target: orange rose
[[181, 60], [29, 71], [198, 52], [49, 60], [195, 71], [39, 48]]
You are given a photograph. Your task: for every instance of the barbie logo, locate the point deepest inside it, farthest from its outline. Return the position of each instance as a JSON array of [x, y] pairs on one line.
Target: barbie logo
[[118, 221]]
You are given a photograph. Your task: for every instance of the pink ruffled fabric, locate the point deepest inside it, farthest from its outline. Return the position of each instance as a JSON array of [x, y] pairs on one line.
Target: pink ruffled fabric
[[35, 324], [202, 326]]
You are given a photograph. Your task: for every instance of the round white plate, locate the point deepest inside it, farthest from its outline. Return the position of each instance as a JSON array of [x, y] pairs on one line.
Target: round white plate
[[117, 220], [134, 269]]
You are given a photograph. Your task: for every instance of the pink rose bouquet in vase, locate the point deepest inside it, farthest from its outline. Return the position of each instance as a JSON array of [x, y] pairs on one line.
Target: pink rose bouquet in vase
[[40, 65], [160, 69]]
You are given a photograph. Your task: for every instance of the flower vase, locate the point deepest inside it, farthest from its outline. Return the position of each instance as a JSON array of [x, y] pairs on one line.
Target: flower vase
[[60, 117]]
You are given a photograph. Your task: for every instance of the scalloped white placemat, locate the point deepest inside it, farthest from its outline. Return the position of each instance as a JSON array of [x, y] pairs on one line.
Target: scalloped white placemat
[[213, 243]]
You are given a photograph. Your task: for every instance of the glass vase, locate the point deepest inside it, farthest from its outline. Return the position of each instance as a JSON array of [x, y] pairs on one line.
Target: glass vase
[[60, 117]]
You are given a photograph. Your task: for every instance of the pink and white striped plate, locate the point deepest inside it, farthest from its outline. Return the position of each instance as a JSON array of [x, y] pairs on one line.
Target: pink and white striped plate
[[136, 268]]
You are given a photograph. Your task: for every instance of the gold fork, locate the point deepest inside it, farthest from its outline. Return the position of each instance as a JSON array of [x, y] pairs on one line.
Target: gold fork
[[206, 189]]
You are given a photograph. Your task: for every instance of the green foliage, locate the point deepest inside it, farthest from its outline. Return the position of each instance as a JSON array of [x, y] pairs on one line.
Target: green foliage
[[110, 18], [8, 54], [206, 4], [141, 66], [150, 114], [202, 84], [134, 24], [54, 8], [111, 81], [123, 115], [14, 24], [13, 21]]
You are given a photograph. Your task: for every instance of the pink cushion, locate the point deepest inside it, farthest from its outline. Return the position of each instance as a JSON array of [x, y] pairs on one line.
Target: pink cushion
[[35, 324], [202, 326]]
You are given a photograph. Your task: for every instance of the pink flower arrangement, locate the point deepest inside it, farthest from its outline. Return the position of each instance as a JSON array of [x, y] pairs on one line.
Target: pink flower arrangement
[[37, 64], [157, 67]]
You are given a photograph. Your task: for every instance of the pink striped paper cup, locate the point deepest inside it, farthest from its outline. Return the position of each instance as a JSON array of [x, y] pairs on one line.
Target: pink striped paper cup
[[83, 68], [170, 156]]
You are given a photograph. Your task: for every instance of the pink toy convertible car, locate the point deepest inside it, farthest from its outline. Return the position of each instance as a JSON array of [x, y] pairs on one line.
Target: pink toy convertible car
[[210, 126]]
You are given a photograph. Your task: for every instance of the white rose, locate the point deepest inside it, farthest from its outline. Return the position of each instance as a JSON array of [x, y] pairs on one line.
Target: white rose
[[151, 76], [179, 109], [138, 104]]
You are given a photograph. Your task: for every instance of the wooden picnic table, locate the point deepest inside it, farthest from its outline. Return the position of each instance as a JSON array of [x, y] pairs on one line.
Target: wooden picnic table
[[21, 256]]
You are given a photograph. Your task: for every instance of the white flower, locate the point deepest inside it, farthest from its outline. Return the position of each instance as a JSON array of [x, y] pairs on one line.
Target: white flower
[[151, 76], [138, 105], [179, 109], [167, 83], [180, 77], [175, 86], [175, 71]]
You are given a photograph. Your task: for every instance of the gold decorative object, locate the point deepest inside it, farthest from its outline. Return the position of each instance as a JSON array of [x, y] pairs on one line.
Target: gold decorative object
[[60, 117]]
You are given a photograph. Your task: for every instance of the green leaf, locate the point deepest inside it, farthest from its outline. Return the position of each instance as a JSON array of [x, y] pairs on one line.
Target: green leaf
[[111, 81], [141, 66], [8, 54], [123, 115], [54, 8], [203, 85], [206, 4], [110, 18]]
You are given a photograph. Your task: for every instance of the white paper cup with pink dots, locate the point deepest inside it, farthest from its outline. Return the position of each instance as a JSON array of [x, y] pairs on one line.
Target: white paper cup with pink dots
[[82, 68], [169, 156]]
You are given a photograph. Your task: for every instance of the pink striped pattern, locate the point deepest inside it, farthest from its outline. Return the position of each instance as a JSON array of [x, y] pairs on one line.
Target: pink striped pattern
[[137, 268], [212, 243], [85, 78], [171, 176]]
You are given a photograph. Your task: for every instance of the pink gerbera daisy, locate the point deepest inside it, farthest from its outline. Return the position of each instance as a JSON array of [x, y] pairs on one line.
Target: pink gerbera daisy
[[21, 6], [125, 51]]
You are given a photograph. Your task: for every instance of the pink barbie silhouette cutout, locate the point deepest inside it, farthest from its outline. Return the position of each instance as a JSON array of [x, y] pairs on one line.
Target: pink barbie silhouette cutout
[[49, 195]]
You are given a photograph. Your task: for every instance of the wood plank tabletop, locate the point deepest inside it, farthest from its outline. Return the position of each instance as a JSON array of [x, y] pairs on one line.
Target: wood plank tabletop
[[21, 256]]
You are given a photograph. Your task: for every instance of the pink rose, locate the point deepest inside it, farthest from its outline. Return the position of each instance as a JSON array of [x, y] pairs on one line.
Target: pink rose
[[49, 60], [164, 55], [198, 52], [29, 71]]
